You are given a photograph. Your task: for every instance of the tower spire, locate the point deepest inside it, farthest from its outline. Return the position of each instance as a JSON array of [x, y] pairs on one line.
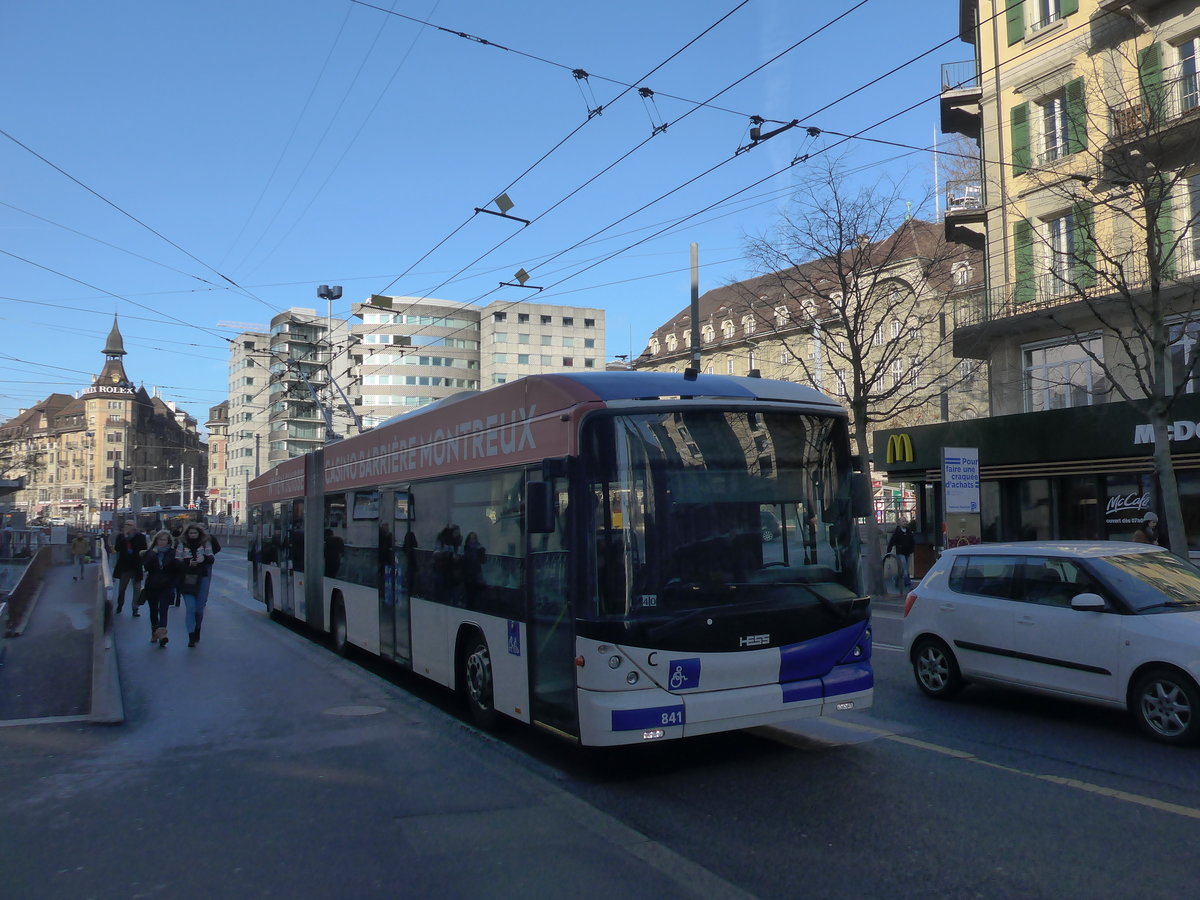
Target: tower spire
[[114, 347]]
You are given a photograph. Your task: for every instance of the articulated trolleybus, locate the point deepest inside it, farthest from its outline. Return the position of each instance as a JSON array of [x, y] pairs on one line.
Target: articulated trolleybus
[[616, 557]]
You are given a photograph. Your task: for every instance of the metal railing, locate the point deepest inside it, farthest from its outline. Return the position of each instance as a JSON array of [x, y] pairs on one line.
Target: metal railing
[[1048, 289], [960, 76], [1157, 105], [964, 194]]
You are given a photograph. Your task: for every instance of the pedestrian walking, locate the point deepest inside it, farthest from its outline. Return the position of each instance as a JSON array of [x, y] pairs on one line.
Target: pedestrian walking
[[903, 542], [80, 547], [128, 547], [195, 556], [162, 569]]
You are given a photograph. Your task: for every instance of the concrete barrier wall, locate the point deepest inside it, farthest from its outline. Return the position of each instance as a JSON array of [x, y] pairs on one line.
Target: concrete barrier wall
[[21, 598]]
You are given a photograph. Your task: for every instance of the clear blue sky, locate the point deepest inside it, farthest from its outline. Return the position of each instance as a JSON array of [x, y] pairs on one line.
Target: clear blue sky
[[282, 144]]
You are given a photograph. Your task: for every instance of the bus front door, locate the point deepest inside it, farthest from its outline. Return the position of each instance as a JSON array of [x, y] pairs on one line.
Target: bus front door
[[550, 633]]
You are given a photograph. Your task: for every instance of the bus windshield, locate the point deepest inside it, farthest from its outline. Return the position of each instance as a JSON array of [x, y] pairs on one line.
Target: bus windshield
[[719, 512]]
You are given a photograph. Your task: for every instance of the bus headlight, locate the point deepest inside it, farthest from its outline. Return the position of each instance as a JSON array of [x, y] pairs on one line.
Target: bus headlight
[[614, 662], [631, 677]]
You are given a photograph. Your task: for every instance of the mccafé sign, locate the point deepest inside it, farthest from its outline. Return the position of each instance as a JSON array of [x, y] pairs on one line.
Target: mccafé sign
[[1182, 430]]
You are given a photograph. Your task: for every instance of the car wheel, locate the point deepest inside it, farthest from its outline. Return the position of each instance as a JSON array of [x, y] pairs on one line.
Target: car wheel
[[476, 679], [767, 535], [935, 668], [1166, 704]]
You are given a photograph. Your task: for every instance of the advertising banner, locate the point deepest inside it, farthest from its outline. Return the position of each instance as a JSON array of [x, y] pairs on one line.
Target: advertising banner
[[960, 479]]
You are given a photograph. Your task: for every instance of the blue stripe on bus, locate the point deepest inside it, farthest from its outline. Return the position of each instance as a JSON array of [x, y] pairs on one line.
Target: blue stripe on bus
[[849, 678], [812, 689], [846, 679], [656, 717], [813, 658]]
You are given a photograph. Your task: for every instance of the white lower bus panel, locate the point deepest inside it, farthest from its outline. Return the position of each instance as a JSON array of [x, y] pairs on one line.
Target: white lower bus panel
[[435, 629], [628, 695]]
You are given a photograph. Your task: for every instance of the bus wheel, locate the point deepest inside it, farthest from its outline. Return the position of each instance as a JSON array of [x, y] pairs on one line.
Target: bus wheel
[[337, 628], [269, 600], [476, 678]]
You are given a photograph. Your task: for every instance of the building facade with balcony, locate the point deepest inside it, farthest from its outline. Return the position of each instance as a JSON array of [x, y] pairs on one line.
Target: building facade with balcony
[[66, 447], [1087, 117], [309, 365]]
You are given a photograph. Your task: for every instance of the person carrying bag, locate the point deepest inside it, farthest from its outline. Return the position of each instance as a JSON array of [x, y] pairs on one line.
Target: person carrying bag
[[195, 556]]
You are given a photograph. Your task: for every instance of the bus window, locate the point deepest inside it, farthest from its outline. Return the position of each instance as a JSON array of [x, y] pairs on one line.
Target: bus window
[[335, 534]]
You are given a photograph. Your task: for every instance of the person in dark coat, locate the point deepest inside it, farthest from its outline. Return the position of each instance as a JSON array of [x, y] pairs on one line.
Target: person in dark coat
[[162, 569], [195, 556], [128, 547], [903, 542]]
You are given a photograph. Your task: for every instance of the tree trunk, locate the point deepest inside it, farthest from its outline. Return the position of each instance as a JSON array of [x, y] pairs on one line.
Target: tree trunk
[[1168, 486], [872, 558]]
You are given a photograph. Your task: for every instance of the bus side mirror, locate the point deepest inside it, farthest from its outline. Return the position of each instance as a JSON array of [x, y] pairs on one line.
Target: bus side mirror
[[539, 508], [862, 498]]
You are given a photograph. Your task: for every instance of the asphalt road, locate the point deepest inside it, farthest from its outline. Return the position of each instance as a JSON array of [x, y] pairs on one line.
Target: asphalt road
[[260, 764]]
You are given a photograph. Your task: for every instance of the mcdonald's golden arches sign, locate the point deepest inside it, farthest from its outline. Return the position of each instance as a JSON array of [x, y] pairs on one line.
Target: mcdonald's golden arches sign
[[899, 448]]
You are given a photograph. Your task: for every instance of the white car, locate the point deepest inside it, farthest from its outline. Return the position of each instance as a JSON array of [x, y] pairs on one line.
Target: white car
[[1112, 623]]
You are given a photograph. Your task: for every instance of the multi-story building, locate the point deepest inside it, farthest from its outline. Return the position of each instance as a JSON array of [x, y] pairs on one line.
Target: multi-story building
[[792, 326], [412, 351], [217, 500], [1087, 114], [247, 429], [67, 448], [310, 364], [530, 338]]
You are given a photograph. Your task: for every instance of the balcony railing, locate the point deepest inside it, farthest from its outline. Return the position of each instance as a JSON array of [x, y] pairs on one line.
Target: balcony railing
[[1130, 276], [1159, 105], [963, 194], [960, 76]]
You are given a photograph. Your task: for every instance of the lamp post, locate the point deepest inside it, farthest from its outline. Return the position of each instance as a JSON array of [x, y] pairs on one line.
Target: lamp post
[[329, 293]]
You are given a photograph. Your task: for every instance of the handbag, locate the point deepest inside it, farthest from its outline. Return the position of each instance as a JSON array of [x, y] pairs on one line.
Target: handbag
[[191, 581]]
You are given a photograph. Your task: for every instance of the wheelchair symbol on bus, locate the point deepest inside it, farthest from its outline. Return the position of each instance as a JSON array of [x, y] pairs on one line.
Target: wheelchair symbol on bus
[[685, 673]]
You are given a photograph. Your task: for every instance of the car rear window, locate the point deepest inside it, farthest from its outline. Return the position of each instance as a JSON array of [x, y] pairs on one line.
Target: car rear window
[[987, 576]]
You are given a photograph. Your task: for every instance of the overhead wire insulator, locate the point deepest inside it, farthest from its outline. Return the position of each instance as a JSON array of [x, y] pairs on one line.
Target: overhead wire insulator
[[657, 123], [589, 96]]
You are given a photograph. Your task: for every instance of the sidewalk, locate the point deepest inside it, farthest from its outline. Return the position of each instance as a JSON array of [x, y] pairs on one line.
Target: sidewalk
[[46, 672]]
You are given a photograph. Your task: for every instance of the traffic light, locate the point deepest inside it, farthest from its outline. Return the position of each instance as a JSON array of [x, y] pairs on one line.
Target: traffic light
[[122, 481]]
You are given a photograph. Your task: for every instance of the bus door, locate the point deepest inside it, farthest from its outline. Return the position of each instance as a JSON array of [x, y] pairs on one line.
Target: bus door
[[287, 589], [395, 573], [550, 633]]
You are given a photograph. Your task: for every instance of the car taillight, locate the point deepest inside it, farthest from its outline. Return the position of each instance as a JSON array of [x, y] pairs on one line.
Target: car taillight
[[909, 601]]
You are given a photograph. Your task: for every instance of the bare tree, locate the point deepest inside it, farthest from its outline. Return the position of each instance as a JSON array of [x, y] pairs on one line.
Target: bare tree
[[1114, 261], [868, 285]]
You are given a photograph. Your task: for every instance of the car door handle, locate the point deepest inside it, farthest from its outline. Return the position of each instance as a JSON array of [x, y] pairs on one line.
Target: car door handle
[[946, 607], [1025, 620]]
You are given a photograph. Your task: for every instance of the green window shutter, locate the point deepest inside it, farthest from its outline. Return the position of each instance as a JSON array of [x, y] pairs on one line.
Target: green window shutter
[[1076, 117], [1019, 118], [1014, 17], [1151, 80], [1084, 265], [1165, 226], [1023, 242], [1066, 7]]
